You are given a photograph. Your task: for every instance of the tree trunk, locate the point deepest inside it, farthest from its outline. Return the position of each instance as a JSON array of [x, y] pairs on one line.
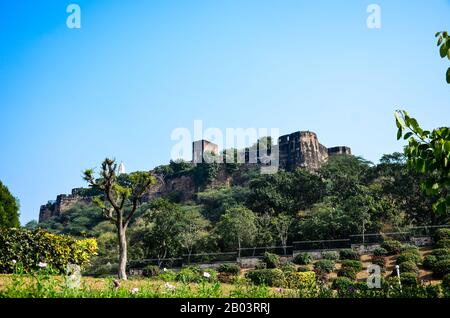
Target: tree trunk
[[122, 254]]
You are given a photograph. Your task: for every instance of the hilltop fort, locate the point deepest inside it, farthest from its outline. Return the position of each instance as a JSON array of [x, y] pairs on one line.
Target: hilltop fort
[[300, 149]]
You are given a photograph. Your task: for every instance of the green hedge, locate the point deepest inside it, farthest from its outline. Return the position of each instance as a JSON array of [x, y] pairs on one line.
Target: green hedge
[[29, 248], [232, 269], [441, 268], [268, 277], [408, 257], [443, 243], [356, 265], [325, 265], [271, 260]]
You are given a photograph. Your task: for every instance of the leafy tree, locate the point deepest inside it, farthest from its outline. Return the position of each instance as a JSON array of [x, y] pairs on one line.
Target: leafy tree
[[238, 225], [163, 239], [120, 200], [285, 192], [217, 200], [283, 223], [194, 230], [203, 173], [428, 152], [264, 235], [9, 208], [444, 49]]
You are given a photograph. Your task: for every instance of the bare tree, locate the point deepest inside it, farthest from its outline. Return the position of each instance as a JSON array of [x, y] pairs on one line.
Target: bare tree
[[121, 197]]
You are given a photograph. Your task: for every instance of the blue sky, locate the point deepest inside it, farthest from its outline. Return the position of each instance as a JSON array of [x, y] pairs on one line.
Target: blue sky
[[136, 70]]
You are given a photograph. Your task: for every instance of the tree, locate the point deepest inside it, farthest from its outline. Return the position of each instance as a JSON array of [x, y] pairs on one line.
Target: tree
[[166, 220], [121, 198], [444, 50], [9, 208], [193, 230], [283, 223], [428, 152], [238, 225]]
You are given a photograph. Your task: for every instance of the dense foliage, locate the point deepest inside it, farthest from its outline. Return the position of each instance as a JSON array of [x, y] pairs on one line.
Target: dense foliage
[[21, 247], [9, 208]]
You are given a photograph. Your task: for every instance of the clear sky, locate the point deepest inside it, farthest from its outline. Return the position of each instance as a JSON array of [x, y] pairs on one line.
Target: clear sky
[[136, 70]]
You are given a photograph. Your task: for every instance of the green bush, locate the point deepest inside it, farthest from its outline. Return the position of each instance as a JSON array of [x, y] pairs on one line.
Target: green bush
[[272, 260], [392, 247], [188, 275], [343, 284], [305, 281], [408, 257], [233, 269], [349, 254], [379, 251], [303, 259], [409, 279], [331, 255], [442, 234], [407, 267], [325, 265], [446, 282], [441, 253], [168, 275], [151, 271], [268, 277], [356, 265], [31, 247], [348, 272], [288, 267], [303, 269], [429, 261], [444, 243], [441, 268], [408, 248]]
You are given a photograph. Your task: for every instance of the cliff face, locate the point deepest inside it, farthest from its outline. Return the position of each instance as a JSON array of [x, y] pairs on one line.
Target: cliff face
[[63, 203]]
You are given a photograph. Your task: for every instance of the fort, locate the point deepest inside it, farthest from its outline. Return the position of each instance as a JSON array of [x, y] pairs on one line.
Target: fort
[[300, 149]]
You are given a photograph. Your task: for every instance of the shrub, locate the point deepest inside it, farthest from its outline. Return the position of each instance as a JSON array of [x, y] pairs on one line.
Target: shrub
[[379, 251], [408, 267], [441, 268], [288, 267], [305, 281], [348, 272], [441, 253], [226, 278], [408, 257], [408, 248], [429, 261], [272, 260], [349, 254], [392, 247], [151, 271], [233, 269], [325, 265], [168, 275], [31, 247], [303, 259], [409, 279], [331, 255], [446, 282], [379, 260], [188, 275], [268, 277], [444, 243], [356, 265], [303, 269], [343, 284], [442, 234]]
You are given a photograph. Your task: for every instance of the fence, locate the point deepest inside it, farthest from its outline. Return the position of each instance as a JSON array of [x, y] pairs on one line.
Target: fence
[[258, 252]]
